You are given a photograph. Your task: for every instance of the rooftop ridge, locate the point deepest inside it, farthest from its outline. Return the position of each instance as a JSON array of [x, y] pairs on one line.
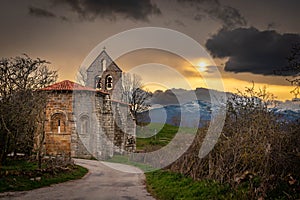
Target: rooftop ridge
[[67, 85]]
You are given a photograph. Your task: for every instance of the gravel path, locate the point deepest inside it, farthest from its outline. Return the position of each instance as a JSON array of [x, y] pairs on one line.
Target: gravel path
[[102, 182]]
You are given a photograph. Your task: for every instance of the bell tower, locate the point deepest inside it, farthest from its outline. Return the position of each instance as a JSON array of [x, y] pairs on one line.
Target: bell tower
[[105, 75]]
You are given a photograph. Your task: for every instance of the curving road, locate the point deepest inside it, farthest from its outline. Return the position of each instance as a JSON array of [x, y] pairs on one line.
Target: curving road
[[102, 182]]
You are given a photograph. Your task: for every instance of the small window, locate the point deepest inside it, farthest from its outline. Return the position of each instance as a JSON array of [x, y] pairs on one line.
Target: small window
[[58, 126], [103, 63], [58, 123], [109, 82]]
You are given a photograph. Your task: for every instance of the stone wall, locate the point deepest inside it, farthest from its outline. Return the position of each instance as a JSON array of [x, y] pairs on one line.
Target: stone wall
[[87, 124], [101, 71], [124, 128], [83, 139], [116, 74], [59, 112]]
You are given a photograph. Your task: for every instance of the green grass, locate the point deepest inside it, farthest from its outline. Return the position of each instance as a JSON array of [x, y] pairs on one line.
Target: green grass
[[147, 140], [19, 165], [126, 160], [16, 175], [165, 185]]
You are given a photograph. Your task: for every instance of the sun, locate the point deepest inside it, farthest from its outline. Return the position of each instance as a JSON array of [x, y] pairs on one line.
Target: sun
[[202, 66]]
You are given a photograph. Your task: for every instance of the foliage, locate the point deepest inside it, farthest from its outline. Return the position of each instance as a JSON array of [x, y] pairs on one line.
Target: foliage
[[25, 175], [21, 105], [255, 150]]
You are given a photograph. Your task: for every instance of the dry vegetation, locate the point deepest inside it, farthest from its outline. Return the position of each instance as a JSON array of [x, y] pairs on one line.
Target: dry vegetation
[[21, 105], [256, 151], [23, 165]]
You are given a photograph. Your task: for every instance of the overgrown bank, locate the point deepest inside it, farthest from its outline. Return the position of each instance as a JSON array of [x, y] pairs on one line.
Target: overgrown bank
[[166, 185], [257, 156]]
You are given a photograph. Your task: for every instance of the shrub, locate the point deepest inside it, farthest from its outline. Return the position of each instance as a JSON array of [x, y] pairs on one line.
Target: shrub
[[255, 150]]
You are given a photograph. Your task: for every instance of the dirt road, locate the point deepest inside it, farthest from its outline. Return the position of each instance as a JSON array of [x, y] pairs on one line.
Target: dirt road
[[102, 182]]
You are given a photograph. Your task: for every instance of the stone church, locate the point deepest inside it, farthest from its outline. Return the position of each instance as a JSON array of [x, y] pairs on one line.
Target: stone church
[[91, 120]]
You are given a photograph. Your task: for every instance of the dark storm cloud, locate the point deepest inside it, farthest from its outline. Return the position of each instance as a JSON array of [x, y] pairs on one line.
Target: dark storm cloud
[[91, 9], [40, 12], [252, 50], [227, 15], [43, 13]]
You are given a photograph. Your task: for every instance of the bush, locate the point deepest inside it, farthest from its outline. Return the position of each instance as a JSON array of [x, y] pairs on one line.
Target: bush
[[255, 151], [20, 174]]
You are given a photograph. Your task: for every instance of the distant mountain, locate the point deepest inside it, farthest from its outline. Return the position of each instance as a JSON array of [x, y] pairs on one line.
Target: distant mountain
[[287, 115], [188, 114], [167, 109], [288, 110], [181, 96]]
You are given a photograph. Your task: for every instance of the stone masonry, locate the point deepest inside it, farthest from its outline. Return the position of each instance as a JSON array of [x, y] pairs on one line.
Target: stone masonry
[[86, 121]]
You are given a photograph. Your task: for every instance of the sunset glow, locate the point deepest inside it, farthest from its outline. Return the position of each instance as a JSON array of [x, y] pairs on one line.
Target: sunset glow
[[240, 52], [202, 66]]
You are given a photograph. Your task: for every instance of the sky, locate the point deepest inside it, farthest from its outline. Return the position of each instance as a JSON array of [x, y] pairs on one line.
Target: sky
[[247, 40]]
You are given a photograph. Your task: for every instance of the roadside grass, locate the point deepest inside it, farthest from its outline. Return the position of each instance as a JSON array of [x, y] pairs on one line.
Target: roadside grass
[[125, 159], [165, 185], [20, 175]]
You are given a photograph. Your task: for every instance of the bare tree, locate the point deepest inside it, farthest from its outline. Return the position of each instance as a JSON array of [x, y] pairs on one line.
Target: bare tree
[[293, 69], [21, 103], [39, 132], [134, 94], [294, 66], [82, 76]]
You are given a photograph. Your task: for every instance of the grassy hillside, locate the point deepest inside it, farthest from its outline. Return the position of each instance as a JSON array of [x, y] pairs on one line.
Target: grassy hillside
[[154, 136]]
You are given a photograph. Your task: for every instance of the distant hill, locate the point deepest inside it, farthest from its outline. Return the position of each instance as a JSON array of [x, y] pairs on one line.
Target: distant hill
[[181, 96], [188, 107]]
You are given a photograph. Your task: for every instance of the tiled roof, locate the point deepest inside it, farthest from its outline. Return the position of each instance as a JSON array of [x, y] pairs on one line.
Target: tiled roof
[[67, 85]]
